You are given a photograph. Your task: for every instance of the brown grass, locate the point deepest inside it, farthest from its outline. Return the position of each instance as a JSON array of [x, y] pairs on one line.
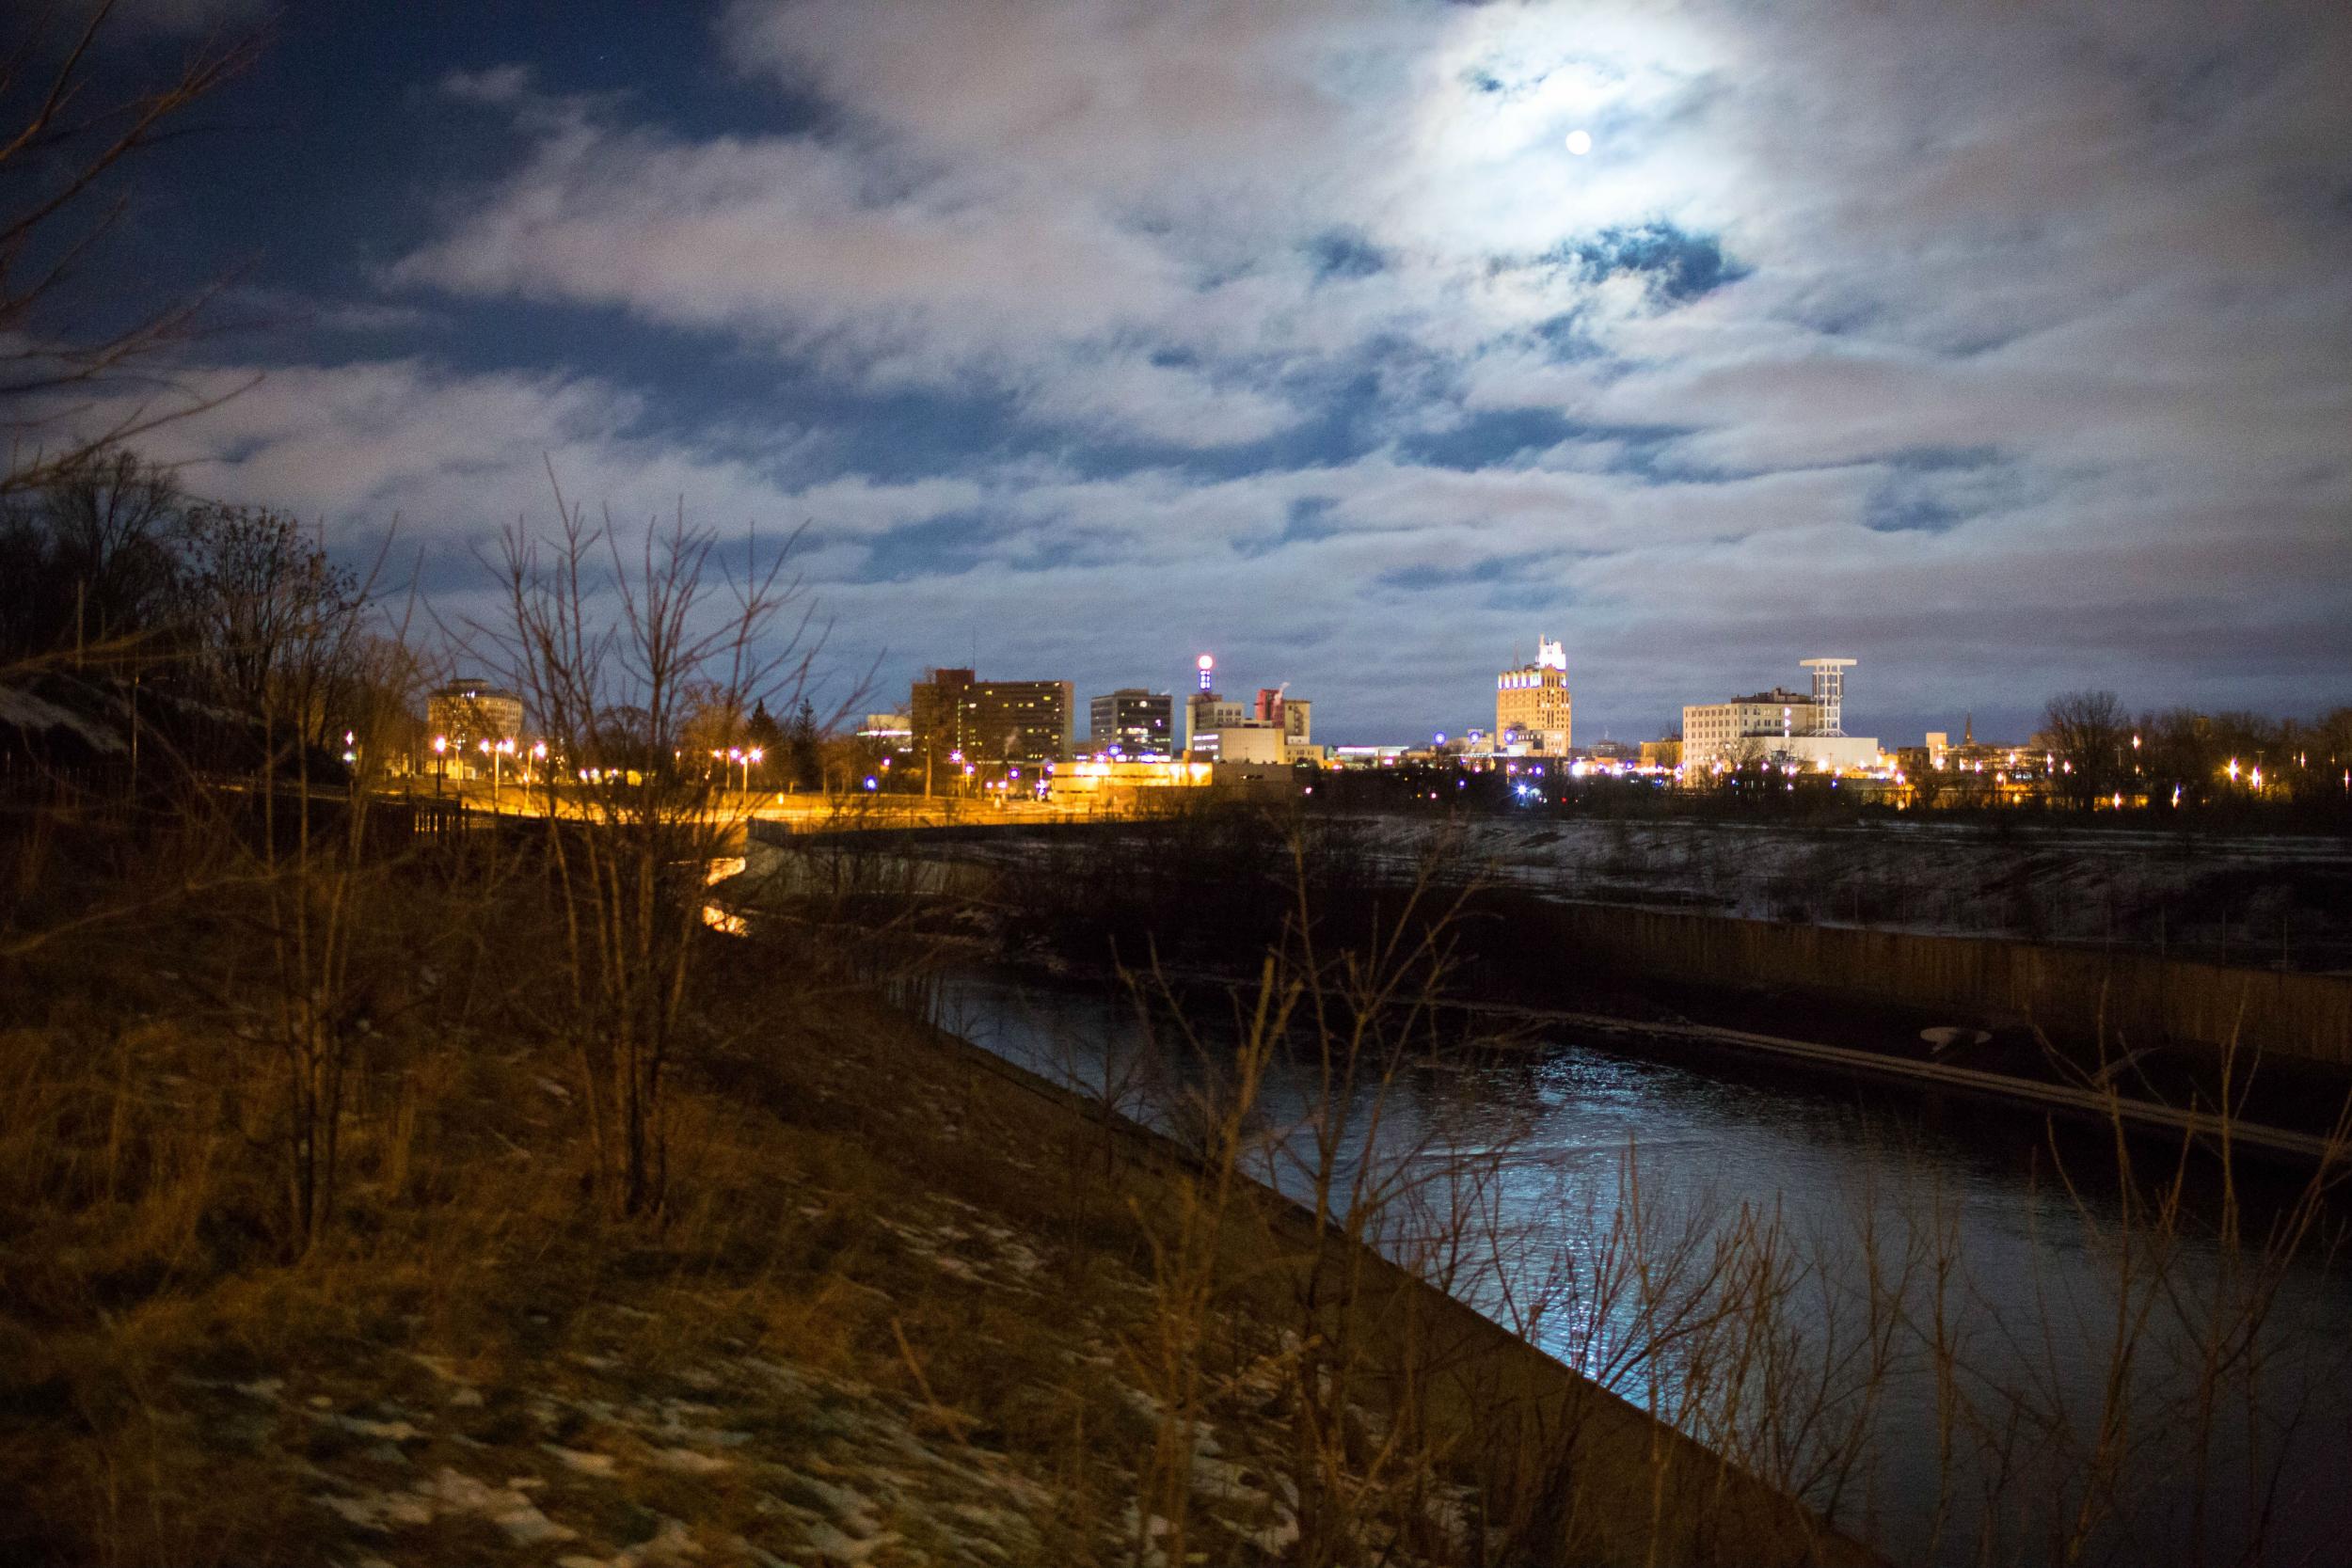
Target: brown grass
[[880, 1252]]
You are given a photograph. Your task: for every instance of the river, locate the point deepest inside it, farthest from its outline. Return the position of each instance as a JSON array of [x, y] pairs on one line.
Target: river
[[1949, 1282]]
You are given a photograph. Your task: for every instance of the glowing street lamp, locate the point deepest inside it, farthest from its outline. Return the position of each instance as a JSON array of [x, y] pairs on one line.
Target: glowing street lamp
[[441, 762], [498, 756]]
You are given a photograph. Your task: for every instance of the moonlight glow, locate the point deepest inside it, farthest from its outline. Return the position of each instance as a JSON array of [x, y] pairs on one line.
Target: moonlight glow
[[1579, 142]]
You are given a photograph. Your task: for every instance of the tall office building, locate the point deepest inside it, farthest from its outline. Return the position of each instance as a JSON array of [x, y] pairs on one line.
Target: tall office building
[[1533, 709], [991, 721], [1136, 722]]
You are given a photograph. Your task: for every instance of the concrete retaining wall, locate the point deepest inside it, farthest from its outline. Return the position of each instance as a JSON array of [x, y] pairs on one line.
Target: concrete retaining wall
[[2133, 998]]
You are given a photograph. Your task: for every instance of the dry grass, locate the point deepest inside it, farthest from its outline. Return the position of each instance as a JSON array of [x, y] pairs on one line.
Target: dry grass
[[896, 1305], [847, 1284], [899, 1301]]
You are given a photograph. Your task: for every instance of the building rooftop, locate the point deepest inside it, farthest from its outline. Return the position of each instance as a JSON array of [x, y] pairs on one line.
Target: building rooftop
[[1779, 696]]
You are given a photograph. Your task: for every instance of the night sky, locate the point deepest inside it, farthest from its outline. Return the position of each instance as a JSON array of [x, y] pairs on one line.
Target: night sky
[[2006, 348]]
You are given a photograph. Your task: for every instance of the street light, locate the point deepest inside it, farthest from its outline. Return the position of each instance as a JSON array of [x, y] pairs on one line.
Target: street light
[[496, 754], [742, 759], [441, 759]]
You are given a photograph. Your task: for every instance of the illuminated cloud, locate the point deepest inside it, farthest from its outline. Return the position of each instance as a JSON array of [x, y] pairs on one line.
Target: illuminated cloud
[[2003, 348]]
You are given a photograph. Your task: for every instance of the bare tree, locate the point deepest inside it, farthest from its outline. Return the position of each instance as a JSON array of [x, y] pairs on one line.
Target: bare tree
[[2087, 731], [64, 148], [1929, 781], [90, 562], [276, 623], [616, 657]]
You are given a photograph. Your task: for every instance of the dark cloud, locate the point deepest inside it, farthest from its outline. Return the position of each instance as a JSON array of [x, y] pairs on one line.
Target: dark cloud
[[1344, 253], [1937, 489]]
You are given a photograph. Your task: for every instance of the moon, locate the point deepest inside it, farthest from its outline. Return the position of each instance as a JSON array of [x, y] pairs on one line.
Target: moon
[[1579, 142]]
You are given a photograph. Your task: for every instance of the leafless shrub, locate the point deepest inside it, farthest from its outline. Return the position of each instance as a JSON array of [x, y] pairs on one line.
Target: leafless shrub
[[616, 655]]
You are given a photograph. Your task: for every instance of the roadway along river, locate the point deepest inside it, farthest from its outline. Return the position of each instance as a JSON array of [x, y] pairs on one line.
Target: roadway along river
[[1949, 1282]]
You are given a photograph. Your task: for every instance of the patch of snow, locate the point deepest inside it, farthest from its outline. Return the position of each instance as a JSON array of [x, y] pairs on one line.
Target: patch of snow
[[504, 1506], [28, 712], [585, 1460], [829, 1542], [391, 1432], [672, 1543], [380, 1510], [690, 1462]]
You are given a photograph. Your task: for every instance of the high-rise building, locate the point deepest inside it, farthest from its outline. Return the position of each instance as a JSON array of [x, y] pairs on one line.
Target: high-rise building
[[1134, 722], [1533, 709], [990, 721]]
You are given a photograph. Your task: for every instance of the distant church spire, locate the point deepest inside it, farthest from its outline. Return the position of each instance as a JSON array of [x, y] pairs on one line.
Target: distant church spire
[[1968, 729]]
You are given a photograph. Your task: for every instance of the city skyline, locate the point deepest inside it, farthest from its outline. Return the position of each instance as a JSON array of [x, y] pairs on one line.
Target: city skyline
[[1164, 782], [2008, 357]]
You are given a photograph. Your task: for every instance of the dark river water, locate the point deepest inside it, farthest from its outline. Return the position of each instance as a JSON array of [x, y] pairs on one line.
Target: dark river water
[[1969, 1342]]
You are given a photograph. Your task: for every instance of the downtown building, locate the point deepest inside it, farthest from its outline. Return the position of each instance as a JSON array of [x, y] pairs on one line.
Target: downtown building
[[1131, 722], [1533, 708], [463, 713], [1780, 727], [1275, 730], [953, 711], [466, 722]]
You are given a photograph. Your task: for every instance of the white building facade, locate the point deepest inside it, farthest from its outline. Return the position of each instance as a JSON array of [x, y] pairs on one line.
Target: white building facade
[[1786, 728]]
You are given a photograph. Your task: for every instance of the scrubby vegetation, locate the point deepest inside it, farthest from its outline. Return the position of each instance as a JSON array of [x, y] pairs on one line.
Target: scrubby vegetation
[[888, 1303]]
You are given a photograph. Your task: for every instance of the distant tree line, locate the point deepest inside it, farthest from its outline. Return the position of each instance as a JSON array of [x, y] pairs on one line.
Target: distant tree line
[[110, 574], [2185, 757]]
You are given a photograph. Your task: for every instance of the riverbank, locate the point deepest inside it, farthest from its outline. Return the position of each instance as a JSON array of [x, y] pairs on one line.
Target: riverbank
[[1941, 1273], [904, 1304], [1625, 1487]]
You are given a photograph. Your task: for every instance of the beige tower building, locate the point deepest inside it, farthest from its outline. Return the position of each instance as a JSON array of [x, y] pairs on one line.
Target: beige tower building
[[1531, 703]]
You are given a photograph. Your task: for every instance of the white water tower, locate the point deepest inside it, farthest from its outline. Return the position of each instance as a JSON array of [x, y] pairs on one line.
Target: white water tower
[[1829, 691]]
